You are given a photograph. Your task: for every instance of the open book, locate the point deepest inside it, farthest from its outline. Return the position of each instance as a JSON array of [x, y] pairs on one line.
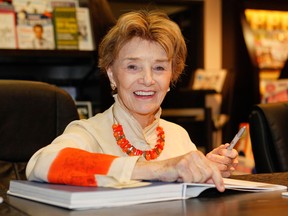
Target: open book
[[74, 197]]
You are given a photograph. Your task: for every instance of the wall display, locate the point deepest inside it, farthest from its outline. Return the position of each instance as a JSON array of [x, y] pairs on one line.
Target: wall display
[[270, 34]]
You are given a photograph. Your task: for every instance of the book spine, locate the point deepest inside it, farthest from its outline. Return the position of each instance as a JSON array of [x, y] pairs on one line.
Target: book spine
[[65, 28]]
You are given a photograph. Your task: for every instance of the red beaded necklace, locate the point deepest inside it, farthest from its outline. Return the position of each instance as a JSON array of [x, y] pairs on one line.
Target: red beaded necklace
[[131, 150]]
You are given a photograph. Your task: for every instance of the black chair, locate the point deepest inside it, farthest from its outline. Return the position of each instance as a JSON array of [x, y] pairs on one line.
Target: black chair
[[269, 136], [32, 114]]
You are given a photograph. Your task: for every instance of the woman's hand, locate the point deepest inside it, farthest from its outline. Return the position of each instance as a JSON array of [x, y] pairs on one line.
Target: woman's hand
[[192, 167], [226, 160]]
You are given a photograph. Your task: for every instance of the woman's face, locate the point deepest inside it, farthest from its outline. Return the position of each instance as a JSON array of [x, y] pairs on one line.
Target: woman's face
[[142, 73]]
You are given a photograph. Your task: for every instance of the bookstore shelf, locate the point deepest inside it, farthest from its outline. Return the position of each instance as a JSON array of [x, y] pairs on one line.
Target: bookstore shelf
[[62, 57]]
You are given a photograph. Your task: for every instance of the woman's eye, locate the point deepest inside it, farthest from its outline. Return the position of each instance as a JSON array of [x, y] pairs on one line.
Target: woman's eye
[[132, 67], [159, 68]]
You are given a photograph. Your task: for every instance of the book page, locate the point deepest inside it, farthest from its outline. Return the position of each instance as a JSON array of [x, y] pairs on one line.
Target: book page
[[195, 189], [251, 185]]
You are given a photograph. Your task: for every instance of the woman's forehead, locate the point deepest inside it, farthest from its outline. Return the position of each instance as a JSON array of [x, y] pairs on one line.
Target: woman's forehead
[[139, 49]]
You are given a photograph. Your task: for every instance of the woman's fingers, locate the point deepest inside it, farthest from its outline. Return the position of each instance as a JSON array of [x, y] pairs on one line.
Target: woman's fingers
[[194, 167], [226, 160]]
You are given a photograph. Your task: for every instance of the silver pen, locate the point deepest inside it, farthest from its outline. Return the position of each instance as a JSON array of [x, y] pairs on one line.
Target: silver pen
[[236, 138]]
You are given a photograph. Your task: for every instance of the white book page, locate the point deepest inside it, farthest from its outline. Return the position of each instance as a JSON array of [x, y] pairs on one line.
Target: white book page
[[251, 185], [195, 189]]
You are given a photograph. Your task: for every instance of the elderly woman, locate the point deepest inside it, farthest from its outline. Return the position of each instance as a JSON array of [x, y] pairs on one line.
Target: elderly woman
[[143, 54]]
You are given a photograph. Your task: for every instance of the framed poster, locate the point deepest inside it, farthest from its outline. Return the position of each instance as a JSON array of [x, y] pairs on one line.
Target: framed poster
[[84, 109]]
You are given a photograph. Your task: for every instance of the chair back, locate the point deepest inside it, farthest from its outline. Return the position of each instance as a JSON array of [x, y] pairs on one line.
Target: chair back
[[269, 137], [32, 114]]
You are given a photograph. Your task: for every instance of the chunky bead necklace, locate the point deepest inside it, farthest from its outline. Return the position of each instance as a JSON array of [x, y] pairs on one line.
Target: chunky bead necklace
[[131, 150]]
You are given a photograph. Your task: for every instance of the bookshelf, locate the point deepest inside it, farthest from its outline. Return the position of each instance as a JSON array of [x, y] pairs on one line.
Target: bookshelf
[[11, 56], [62, 67], [57, 56]]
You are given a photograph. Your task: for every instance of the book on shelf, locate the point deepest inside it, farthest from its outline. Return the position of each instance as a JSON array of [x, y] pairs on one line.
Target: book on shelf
[[209, 79], [84, 29], [76, 197], [8, 37], [32, 6], [35, 31], [65, 25], [274, 90], [6, 5], [84, 109], [6, 1], [61, 3]]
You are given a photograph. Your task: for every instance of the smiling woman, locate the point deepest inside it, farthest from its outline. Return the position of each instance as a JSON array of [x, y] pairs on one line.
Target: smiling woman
[[142, 75], [143, 54]]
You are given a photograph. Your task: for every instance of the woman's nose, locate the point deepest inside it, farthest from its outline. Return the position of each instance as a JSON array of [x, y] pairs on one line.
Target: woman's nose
[[148, 77]]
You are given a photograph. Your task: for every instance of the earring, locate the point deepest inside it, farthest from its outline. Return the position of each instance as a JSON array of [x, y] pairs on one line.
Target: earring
[[113, 86], [168, 89]]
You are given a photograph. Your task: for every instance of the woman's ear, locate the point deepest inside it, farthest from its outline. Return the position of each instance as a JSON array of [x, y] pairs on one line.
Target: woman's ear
[[111, 76]]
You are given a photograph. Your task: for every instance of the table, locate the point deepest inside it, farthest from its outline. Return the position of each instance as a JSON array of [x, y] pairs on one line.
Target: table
[[210, 203]]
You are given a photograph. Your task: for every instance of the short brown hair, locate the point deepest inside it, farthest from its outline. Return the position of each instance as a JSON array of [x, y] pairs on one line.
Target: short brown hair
[[149, 25]]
